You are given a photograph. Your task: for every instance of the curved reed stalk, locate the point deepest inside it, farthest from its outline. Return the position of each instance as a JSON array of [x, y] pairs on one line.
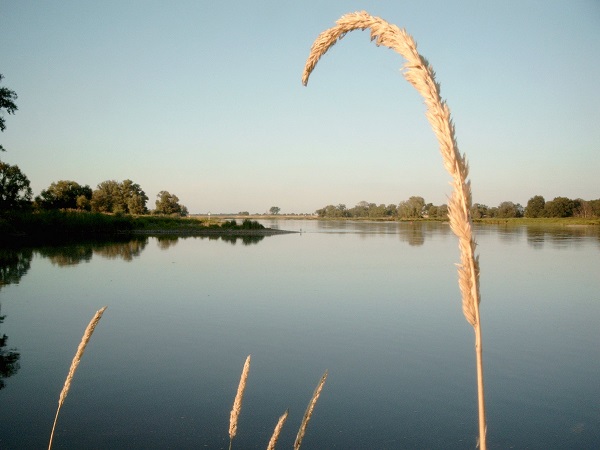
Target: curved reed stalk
[[308, 413], [87, 334], [237, 402], [420, 74], [277, 431]]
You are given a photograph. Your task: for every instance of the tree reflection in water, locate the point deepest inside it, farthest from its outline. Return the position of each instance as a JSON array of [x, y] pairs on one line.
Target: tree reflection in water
[[14, 264], [9, 358], [246, 240], [67, 256], [166, 241], [126, 251]]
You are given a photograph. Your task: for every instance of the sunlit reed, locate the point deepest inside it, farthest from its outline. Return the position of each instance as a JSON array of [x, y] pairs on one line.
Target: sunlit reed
[[87, 334], [237, 403], [420, 74], [309, 411], [277, 431]]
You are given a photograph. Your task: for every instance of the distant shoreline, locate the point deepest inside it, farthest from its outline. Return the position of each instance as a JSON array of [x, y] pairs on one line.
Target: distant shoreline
[[550, 221]]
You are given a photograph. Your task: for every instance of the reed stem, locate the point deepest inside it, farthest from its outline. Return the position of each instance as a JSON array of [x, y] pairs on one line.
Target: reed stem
[[420, 74], [308, 413], [237, 402], [277, 431], [87, 334]]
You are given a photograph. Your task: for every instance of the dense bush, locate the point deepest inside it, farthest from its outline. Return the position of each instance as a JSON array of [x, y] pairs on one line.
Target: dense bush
[[248, 224]]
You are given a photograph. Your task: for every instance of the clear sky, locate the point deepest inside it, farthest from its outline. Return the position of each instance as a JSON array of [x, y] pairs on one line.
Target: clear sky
[[204, 99]]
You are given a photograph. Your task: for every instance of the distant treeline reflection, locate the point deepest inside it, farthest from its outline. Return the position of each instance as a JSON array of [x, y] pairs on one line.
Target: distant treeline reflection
[[15, 262]]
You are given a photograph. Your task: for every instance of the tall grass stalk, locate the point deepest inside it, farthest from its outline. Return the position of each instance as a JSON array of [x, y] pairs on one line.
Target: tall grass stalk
[[87, 334], [237, 402], [420, 74], [308, 413], [277, 431]]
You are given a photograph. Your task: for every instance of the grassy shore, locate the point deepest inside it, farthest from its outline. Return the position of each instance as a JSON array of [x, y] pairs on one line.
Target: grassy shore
[[46, 226], [42, 226], [542, 221]]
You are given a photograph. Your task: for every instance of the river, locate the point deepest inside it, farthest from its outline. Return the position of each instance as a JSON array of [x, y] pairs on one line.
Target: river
[[376, 304]]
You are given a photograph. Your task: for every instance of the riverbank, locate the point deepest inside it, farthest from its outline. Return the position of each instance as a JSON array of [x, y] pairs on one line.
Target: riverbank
[[46, 226], [211, 232], [541, 221], [55, 225]]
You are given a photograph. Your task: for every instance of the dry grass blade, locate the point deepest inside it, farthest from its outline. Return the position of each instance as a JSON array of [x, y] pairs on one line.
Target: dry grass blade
[[309, 410], [420, 74], [87, 334], [237, 403], [277, 431]]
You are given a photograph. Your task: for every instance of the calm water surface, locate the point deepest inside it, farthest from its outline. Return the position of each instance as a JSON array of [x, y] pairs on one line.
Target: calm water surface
[[376, 304]]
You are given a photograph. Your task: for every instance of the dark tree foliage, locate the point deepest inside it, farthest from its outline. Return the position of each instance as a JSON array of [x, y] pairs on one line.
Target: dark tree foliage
[[535, 206], [416, 207], [587, 208], [479, 211], [508, 210], [65, 194], [560, 207], [15, 191], [168, 203], [7, 98], [113, 197], [411, 208]]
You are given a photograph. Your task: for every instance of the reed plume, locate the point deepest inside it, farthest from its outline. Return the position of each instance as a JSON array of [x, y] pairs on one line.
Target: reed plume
[[87, 334], [308, 413], [237, 402], [420, 74], [277, 431]]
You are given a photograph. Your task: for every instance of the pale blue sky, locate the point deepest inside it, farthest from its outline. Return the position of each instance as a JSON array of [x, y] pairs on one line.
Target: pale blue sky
[[204, 99]]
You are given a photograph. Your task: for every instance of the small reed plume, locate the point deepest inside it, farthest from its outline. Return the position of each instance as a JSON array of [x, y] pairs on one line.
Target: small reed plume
[[237, 403], [309, 410], [277, 431], [82, 345], [420, 74]]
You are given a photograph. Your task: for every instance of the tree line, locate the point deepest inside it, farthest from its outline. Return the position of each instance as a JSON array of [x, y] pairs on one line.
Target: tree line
[[416, 208], [110, 196], [128, 197]]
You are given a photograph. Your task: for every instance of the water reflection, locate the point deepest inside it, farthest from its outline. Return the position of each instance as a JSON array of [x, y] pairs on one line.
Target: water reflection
[[9, 358], [126, 251], [537, 236], [561, 237], [14, 264], [245, 240], [167, 241], [416, 233], [413, 233], [67, 256]]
